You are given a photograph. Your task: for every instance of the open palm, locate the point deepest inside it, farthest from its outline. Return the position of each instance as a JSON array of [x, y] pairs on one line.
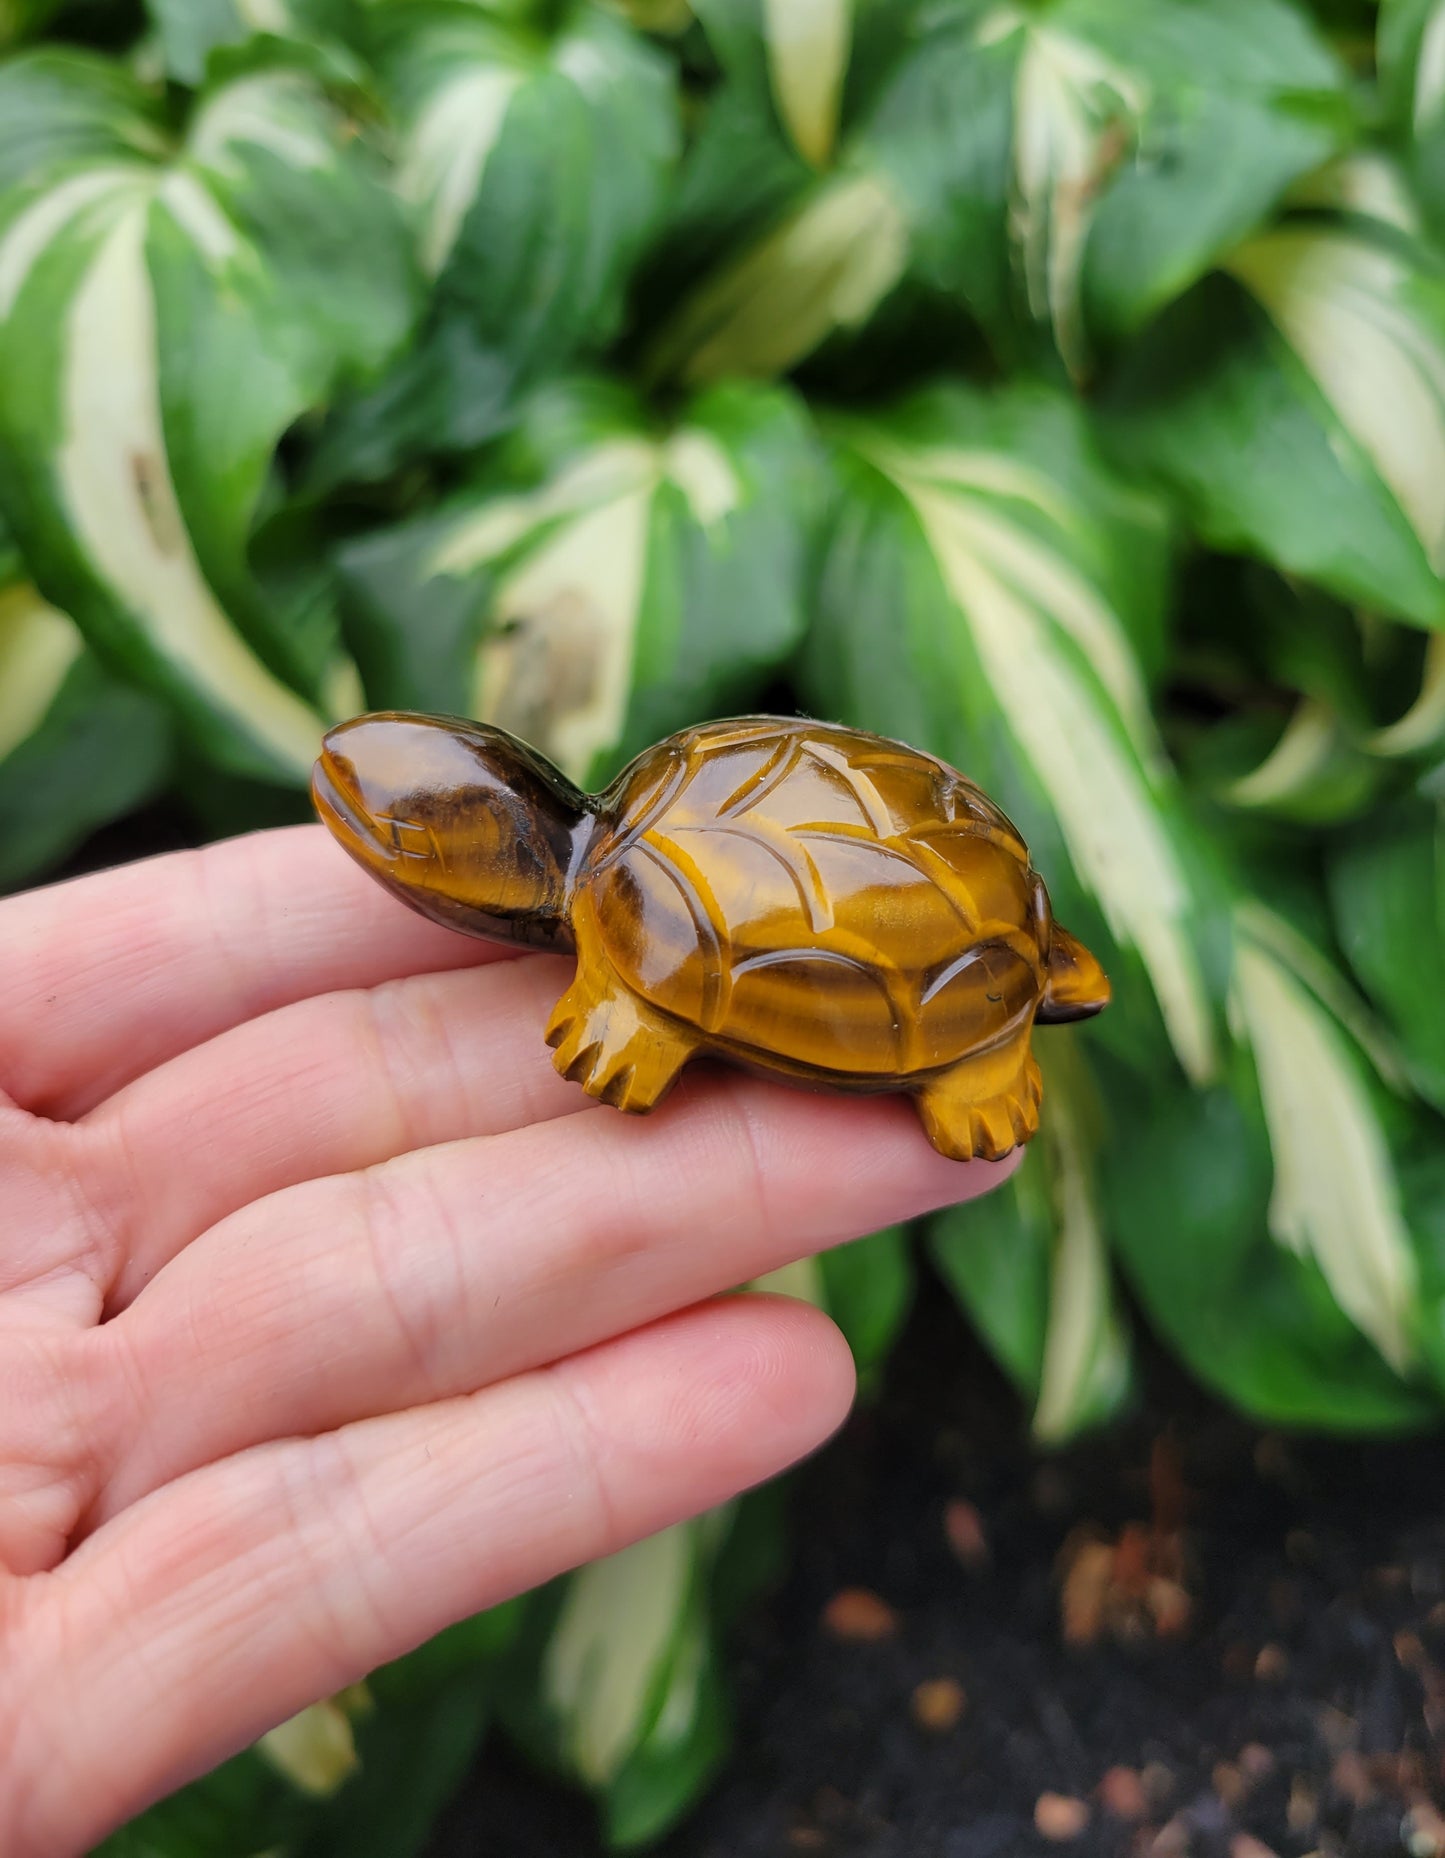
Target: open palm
[[329, 1314]]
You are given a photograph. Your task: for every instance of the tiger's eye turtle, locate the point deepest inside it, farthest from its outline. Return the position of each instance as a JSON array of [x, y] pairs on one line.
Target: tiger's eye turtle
[[805, 900]]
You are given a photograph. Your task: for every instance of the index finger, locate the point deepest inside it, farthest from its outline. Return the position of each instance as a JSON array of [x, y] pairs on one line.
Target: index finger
[[105, 977]]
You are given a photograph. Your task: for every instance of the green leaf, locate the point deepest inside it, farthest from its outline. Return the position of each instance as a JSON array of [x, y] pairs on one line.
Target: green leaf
[[804, 48], [683, 1752], [77, 748], [738, 174], [161, 325], [1420, 730], [1270, 1229], [410, 1761], [315, 1749], [362, 1774], [482, 1640], [1388, 893], [1296, 405], [809, 63], [1304, 686], [67, 111], [620, 1678], [240, 1810], [534, 169], [21, 19], [615, 1685], [190, 30], [1102, 154], [1411, 54], [660, 16], [1313, 772], [825, 266], [973, 600], [38, 647], [1078, 166], [1336, 1197], [605, 584], [866, 1286], [1030, 1263], [1255, 1319]]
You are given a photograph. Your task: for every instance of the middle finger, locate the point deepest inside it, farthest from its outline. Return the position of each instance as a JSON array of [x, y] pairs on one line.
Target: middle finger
[[330, 1084], [448, 1269]]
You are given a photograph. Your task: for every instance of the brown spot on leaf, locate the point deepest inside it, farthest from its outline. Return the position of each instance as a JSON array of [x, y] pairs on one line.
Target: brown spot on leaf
[[148, 474]]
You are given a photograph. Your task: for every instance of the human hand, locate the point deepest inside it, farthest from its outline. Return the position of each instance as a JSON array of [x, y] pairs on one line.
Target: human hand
[[330, 1315]]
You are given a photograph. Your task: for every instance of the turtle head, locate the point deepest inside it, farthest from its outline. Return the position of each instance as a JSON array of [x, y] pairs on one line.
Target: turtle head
[[1075, 985], [460, 820]]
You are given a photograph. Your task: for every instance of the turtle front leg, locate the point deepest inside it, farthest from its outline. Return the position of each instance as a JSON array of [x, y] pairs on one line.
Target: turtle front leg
[[615, 1046], [985, 1105]]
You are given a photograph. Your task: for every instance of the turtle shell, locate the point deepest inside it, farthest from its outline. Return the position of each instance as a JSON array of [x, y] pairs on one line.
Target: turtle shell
[[817, 897]]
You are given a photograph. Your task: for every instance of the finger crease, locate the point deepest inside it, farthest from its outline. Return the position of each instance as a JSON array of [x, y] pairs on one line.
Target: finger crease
[[380, 1207], [583, 1440]]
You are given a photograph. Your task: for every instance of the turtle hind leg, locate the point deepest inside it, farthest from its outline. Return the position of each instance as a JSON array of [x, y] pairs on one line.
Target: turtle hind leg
[[985, 1105], [616, 1047]]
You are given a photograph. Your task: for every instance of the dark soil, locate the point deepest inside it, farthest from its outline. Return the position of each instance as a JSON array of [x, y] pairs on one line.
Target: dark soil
[[1300, 1710]]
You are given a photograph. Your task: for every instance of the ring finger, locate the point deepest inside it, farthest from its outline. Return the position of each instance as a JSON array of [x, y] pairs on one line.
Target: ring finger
[[448, 1269], [325, 1086]]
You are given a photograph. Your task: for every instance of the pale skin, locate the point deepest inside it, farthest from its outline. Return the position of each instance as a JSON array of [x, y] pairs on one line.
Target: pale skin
[[330, 1314]]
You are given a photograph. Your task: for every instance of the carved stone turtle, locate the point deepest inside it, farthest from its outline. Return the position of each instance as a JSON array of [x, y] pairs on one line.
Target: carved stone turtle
[[804, 900]]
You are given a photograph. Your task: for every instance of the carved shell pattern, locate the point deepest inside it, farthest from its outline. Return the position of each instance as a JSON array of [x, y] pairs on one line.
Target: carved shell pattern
[[819, 895]]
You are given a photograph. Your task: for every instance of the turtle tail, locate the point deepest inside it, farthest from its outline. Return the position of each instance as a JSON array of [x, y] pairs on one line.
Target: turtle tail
[[1075, 986]]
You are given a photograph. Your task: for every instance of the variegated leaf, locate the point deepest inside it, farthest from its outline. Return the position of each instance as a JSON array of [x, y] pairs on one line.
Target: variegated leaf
[[1188, 1219], [1085, 162], [315, 1750], [808, 45], [1336, 1197], [585, 123], [77, 747], [1017, 159], [644, 581], [1077, 114], [1421, 729], [162, 322], [1370, 331], [190, 30], [799, 50], [1030, 1263], [972, 601], [1296, 402], [1411, 58], [38, 648], [1327, 759], [825, 266], [533, 167], [626, 1694], [1316, 770], [621, 1647]]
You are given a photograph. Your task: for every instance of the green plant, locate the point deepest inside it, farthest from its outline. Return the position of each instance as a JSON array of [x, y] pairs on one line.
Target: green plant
[[1057, 384]]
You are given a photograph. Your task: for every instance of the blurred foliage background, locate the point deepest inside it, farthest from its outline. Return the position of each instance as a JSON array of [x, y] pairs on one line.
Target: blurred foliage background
[[1056, 384]]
